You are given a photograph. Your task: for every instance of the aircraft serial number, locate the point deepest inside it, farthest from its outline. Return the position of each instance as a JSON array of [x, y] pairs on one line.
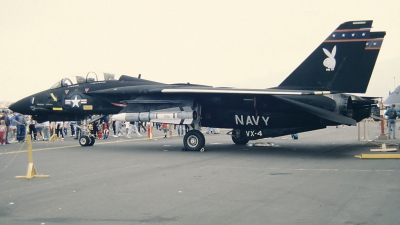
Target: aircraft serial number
[[253, 133]]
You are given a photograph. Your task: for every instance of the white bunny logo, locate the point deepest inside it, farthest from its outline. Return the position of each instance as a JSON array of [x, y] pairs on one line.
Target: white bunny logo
[[330, 62]]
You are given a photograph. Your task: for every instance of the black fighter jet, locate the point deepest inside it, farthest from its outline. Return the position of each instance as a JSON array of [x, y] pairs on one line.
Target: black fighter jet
[[315, 95]]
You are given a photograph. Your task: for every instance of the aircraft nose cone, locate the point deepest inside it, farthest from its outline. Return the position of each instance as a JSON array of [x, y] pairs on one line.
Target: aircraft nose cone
[[22, 106]]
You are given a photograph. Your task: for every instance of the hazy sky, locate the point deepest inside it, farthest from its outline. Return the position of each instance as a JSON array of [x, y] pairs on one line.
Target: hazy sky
[[247, 44]]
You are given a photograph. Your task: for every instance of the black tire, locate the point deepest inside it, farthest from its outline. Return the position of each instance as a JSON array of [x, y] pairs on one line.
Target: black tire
[[240, 141], [92, 141], [84, 141], [194, 140]]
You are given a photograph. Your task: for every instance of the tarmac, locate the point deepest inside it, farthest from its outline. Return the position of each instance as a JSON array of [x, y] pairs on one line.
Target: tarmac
[[313, 180]]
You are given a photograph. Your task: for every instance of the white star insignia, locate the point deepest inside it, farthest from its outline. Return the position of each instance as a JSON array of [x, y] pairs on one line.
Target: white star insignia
[[75, 102]]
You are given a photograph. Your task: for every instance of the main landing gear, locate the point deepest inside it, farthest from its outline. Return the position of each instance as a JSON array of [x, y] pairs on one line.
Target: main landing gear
[[194, 141], [239, 137]]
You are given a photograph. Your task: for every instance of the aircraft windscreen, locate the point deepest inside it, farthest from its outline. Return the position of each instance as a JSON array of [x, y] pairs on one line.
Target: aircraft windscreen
[[90, 78]]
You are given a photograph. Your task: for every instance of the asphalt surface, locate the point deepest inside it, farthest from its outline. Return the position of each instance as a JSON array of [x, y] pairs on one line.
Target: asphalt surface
[[313, 180]]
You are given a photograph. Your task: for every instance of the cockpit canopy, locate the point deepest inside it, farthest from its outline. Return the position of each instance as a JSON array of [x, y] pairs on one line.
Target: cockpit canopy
[[90, 78]]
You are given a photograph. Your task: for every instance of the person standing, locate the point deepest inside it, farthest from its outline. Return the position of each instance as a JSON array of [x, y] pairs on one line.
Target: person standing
[[132, 127], [118, 127], [46, 130], [212, 130], [392, 116], [105, 130], [32, 128], [7, 121], [13, 127], [60, 130], [39, 131], [3, 131], [78, 129], [164, 127], [114, 127], [21, 127], [180, 129], [65, 128], [95, 130], [72, 125], [140, 125], [127, 126]]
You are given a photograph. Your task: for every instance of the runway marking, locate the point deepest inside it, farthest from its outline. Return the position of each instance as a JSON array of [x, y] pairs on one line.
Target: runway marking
[[299, 169], [378, 156], [71, 146], [74, 177]]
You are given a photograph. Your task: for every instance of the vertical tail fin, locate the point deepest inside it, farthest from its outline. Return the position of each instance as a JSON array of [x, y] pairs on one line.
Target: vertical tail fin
[[334, 61], [358, 82]]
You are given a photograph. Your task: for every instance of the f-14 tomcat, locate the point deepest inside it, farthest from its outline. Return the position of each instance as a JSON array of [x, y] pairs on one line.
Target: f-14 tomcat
[[313, 96]]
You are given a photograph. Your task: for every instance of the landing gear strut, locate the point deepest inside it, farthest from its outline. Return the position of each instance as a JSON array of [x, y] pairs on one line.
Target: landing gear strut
[[194, 140], [87, 139]]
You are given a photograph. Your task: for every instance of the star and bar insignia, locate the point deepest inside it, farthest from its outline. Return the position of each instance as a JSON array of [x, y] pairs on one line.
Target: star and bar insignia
[[75, 101]]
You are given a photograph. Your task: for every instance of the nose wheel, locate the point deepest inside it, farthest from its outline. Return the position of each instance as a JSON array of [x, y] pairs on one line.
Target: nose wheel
[[194, 141], [86, 140]]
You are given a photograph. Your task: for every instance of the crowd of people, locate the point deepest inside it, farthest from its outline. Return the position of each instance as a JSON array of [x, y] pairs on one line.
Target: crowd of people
[[14, 127]]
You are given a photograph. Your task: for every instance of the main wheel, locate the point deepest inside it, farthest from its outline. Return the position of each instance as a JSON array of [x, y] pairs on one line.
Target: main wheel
[[194, 140], [241, 140], [84, 141]]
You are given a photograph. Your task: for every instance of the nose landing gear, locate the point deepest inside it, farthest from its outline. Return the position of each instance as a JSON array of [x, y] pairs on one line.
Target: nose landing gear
[[87, 140]]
